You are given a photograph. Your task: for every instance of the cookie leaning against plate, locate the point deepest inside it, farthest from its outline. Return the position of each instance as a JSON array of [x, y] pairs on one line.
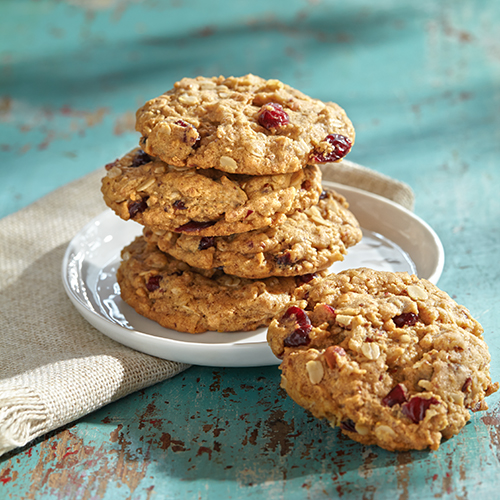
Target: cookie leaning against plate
[[389, 358], [308, 241], [204, 202], [244, 125], [191, 300]]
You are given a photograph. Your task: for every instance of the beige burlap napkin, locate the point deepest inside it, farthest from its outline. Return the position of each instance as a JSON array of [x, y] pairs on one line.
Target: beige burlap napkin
[[54, 366]]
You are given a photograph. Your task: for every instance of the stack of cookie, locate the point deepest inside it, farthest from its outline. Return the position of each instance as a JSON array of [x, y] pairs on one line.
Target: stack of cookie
[[227, 184]]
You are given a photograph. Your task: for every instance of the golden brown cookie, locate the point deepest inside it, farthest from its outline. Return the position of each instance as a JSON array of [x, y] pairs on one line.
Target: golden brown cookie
[[308, 241], [204, 202], [244, 125], [187, 299], [389, 358]]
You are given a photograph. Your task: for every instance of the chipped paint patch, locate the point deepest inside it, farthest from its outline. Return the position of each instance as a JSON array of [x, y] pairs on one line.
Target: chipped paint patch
[[279, 432], [492, 422]]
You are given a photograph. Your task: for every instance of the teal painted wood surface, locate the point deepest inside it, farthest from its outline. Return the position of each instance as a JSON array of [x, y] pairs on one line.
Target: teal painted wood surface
[[421, 82]]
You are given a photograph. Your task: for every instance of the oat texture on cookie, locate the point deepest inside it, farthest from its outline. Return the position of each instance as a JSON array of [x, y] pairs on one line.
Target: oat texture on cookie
[[308, 241], [192, 300], [204, 202], [227, 186], [389, 358], [245, 125]]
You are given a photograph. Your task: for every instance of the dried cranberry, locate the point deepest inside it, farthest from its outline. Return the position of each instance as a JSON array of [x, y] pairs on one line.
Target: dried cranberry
[[348, 425], [272, 115], [405, 319], [181, 123], [397, 396], [153, 283], [284, 259], [140, 158], [206, 242], [415, 408], [467, 384], [109, 166], [341, 146], [305, 278], [298, 314], [194, 226], [180, 205], [300, 336], [137, 207], [249, 212]]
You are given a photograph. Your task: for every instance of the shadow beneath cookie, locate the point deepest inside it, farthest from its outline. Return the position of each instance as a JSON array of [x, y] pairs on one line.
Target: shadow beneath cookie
[[237, 426]]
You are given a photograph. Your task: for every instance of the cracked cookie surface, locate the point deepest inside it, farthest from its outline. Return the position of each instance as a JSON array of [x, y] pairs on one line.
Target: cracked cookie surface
[[204, 202], [390, 358], [308, 241], [242, 125], [191, 300]]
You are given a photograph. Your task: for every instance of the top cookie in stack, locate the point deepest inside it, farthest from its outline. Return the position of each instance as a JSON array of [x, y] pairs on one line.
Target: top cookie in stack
[[244, 125], [227, 184]]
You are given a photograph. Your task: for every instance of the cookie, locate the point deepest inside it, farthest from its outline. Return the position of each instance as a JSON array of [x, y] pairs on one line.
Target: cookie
[[244, 125], [308, 241], [204, 202], [191, 300], [388, 357]]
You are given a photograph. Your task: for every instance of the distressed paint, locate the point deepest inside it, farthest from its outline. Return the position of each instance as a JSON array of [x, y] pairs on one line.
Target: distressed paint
[[420, 81], [196, 436]]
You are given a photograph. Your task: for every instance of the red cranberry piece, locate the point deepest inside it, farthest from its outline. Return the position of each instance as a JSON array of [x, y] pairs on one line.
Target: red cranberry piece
[[415, 408], [206, 242], [140, 158], [405, 319], [397, 396], [180, 205], [137, 207], [194, 226], [467, 384], [298, 314], [181, 123], [249, 212], [341, 146], [109, 166], [348, 425], [305, 278], [284, 260], [153, 283], [272, 115], [300, 336]]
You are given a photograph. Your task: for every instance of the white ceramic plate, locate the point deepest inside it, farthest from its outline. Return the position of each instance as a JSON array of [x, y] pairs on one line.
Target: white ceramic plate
[[394, 239]]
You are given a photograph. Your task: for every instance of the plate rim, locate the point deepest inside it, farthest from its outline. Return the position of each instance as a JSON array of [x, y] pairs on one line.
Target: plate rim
[[440, 261]]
